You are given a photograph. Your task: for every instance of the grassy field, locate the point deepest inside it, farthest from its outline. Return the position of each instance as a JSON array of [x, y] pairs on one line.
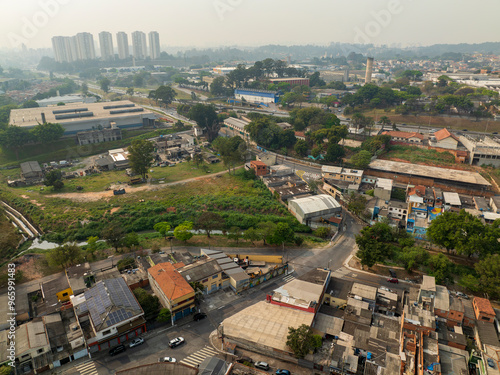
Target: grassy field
[[241, 202], [419, 155], [455, 122]]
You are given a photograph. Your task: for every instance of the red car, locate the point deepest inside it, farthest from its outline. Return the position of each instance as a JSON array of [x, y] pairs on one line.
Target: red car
[[393, 280]]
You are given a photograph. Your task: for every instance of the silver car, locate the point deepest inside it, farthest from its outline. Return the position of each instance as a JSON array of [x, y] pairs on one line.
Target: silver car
[[136, 342]]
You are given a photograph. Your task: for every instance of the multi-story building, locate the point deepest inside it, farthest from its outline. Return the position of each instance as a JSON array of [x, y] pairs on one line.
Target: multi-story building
[[173, 291], [85, 46], [64, 48], [122, 42], [343, 174], [154, 45], [206, 271], [106, 45], [139, 45]]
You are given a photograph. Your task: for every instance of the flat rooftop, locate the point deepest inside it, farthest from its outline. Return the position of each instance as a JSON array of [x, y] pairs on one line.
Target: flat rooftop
[[429, 172], [30, 117], [265, 324]]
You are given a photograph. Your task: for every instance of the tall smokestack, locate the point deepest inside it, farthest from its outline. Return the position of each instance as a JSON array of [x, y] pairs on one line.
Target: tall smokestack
[[44, 121], [369, 70]]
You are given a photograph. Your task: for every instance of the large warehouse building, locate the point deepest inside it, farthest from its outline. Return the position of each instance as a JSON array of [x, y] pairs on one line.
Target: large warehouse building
[[316, 210], [257, 96], [459, 181], [78, 117]]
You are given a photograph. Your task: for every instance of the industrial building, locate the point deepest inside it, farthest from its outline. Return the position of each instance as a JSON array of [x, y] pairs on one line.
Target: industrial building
[[79, 117], [257, 96], [315, 210], [237, 125], [293, 81], [482, 149], [460, 181], [66, 99]]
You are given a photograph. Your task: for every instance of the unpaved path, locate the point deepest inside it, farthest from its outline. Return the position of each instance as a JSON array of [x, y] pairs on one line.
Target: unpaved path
[[95, 196]]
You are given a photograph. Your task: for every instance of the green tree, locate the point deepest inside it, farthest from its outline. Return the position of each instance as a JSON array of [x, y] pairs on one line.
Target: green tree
[[315, 80], [235, 233], [141, 153], [14, 137], [105, 84], [282, 234], [442, 268], [300, 340], [113, 235], [30, 104], [130, 91], [488, 271], [334, 152], [209, 221], [232, 150], [251, 234], [206, 118], [218, 87], [54, 179], [163, 228], [356, 203], [131, 240], [413, 257], [322, 232], [374, 244], [443, 230], [85, 89], [150, 304], [182, 232], [46, 133], [92, 244], [165, 94], [361, 159], [266, 230], [301, 147], [64, 256], [164, 316], [125, 263]]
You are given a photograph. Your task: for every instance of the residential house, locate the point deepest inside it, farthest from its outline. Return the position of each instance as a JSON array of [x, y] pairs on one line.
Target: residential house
[[495, 203], [80, 277], [108, 314], [481, 204], [238, 279], [205, 271], [483, 310], [259, 167], [452, 201], [338, 189], [444, 139], [31, 170], [404, 137], [345, 174], [173, 291], [383, 189]]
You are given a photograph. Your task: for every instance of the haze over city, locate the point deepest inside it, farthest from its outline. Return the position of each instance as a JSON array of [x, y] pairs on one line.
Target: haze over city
[[201, 23]]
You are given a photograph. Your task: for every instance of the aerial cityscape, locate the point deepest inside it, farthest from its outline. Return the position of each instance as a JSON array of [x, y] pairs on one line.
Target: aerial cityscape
[[232, 187]]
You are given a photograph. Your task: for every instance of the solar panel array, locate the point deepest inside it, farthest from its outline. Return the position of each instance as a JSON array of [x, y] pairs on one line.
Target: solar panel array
[[117, 316], [97, 301], [121, 295]]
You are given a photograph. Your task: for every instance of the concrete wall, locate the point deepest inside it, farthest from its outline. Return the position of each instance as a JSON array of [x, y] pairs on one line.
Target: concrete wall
[[278, 259]]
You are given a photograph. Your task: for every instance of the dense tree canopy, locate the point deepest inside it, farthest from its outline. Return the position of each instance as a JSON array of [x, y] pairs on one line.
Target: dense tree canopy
[[206, 118], [141, 153]]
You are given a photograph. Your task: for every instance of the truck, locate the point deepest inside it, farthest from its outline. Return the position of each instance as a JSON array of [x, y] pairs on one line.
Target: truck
[[134, 181], [119, 191]]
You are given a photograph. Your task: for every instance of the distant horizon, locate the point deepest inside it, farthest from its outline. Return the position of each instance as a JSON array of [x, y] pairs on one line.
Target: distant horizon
[[227, 23]]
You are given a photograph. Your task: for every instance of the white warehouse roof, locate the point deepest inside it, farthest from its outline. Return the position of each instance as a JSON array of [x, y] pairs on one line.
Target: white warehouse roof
[[316, 203], [452, 199]]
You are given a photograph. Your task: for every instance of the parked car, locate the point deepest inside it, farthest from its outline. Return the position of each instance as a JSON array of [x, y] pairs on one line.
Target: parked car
[[136, 342], [117, 350], [392, 273], [176, 342], [282, 372], [393, 280], [261, 365], [167, 359], [199, 316], [244, 359]]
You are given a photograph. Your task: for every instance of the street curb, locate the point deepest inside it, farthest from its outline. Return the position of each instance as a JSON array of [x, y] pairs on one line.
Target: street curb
[[214, 334]]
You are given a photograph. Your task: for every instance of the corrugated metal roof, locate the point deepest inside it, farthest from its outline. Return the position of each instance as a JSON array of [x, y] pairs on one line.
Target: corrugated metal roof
[[316, 203]]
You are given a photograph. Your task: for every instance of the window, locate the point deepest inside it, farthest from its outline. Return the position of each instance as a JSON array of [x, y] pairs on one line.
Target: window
[[39, 351], [65, 294], [107, 332], [214, 276]]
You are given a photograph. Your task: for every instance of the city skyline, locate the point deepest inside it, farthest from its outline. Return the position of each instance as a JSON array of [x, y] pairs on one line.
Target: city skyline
[[224, 22]]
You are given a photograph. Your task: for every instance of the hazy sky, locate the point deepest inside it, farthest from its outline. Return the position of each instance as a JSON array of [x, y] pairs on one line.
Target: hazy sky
[[212, 23]]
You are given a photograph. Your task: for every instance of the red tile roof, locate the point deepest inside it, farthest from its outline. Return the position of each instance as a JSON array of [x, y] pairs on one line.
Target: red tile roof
[[300, 134], [443, 134], [484, 306], [170, 281], [419, 190], [178, 265], [258, 163], [407, 135]]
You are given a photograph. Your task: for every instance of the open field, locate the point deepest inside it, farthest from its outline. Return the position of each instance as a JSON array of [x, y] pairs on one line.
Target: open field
[[452, 122], [419, 155], [240, 202]]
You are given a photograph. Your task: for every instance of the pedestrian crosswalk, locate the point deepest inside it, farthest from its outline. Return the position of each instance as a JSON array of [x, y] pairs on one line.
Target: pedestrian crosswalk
[[288, 278], [196, 358], [87, 368]]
